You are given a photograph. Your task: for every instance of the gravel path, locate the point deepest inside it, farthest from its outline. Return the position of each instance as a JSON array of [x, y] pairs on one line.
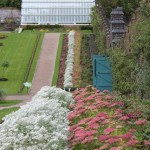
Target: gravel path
[[44, 70]]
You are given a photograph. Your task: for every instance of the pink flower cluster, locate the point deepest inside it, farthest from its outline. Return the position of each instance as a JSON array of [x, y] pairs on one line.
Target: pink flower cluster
[[95, 119]]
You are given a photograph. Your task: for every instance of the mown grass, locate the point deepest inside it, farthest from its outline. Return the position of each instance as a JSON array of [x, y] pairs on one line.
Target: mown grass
[[34, 63], [57, 62], [17, 51], [7, 111], [6, 103]]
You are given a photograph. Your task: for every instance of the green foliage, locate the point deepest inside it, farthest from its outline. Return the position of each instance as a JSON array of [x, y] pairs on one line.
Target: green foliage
[[10, 3], [145, 9], [6, 103], [97, 30], [128, 5], [122, 67], [57, 62], [86, 63], [141, 50]]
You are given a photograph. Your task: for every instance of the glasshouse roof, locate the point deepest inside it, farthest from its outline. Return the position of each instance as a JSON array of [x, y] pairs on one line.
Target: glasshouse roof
[[56, 11]]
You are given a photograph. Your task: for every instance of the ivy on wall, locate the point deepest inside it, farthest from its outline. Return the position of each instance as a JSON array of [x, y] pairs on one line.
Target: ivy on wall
[[97, 30]]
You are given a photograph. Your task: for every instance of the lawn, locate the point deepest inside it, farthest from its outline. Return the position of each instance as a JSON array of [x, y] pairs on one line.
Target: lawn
[[7, 111], [6, 103], [57, 63], [17, 51]]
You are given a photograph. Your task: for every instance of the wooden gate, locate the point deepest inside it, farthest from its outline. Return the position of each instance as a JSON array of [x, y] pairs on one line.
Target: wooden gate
[[102, 75]]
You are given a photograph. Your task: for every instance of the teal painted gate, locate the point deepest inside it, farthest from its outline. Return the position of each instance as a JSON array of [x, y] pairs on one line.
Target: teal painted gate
[[102, 75]]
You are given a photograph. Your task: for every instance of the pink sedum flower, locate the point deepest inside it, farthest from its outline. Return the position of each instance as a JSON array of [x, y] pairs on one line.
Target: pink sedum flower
[[115, 148], [126, 135], [124, 118], [109, 130], [140, 122], [132, 142], [147, 143], [104, 137]]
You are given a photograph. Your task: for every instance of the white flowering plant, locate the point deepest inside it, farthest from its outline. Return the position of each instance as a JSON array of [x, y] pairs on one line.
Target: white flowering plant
[[69, 61], [40, 124]]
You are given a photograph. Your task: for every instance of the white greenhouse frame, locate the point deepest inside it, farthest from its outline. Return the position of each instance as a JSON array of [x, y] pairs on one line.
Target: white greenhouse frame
[[46, 12]]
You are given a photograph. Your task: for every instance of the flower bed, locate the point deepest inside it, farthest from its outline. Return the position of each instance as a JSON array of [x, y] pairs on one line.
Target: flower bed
[[99, 121], [69, 61], [40, 124]]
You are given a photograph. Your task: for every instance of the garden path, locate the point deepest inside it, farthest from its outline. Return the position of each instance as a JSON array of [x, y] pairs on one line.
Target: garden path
[[44, 70]]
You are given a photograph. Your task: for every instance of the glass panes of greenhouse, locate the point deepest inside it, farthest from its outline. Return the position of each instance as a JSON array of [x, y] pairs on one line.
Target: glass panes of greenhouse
[[56, 11]]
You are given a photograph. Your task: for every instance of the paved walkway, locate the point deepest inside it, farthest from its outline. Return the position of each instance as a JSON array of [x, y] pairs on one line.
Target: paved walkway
[[44, 70]]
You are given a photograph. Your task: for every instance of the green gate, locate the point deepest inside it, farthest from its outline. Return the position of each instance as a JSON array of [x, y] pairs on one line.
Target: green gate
[[102, 76]]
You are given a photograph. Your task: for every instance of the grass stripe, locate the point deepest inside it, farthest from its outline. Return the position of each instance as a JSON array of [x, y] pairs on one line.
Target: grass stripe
[[57, 62]]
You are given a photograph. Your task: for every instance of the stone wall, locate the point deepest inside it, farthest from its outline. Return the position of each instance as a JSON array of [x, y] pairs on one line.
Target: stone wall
[[9, 13]]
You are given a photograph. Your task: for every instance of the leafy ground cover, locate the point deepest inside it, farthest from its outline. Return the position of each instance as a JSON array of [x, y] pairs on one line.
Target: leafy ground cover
[[86, 62], [77, 56], [100, 120], [5, 103], [7, 111], [62, 62], [57, 65], [17, 50]]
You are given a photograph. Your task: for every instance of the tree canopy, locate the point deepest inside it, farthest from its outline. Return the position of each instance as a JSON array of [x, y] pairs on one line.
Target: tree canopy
[[10, 3]]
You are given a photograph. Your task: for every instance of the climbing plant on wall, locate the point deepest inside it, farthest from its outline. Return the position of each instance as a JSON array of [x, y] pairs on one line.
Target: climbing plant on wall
[[97, 30]]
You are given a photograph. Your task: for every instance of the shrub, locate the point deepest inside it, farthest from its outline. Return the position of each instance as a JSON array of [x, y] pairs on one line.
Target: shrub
[[69, 61], [40, 124]]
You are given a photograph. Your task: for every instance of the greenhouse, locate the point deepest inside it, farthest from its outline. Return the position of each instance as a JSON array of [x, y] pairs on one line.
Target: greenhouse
[[56, 11]]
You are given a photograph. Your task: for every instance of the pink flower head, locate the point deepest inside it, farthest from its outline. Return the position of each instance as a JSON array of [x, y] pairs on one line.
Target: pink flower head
[[132, 130], [106, 91], [113, 140], [126, 135], [85, 120], [119, 110], [71, 115], [147, 143], [105, 146], [140, 122], [94, 126], [70, 137], [88, 139], [109, 97], [120, 103], [132, 142], [108, 130], [91, 132], [102, 114], [124, 118], [72, 106], [104, 137], [115, 148]]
